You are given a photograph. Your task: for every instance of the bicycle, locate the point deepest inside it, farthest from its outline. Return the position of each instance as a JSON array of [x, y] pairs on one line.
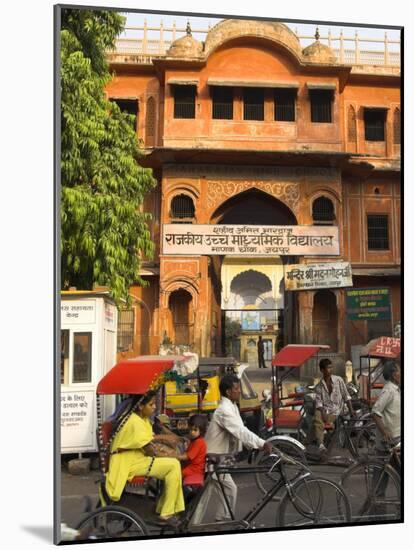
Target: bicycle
[[373, 486], [306, 500], [355, 434]]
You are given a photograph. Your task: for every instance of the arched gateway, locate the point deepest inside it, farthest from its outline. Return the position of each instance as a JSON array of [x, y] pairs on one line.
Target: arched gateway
[[252, 289], [235, 260]]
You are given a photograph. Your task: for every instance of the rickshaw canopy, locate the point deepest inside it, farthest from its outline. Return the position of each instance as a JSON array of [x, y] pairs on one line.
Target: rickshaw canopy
[[294, 355], [384, 346], [138, 375]]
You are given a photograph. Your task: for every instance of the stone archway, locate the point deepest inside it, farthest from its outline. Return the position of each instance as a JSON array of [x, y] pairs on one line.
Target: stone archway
[[243, 279], [253, 207], [251, 288]]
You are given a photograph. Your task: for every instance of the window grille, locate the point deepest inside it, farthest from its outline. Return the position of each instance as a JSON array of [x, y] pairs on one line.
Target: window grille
[[285, 105], [129, 106], [377, 232], [182, 206], [222, 103], [253, 103], [126, 327], [374, 124], [150, 118], [351, 125], [397, 127], [323, 210], [321, 105], [184, 101]]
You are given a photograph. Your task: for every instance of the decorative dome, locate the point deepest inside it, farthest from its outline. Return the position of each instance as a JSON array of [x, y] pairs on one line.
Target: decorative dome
[[230, 29], [186, 46], [318, 53]]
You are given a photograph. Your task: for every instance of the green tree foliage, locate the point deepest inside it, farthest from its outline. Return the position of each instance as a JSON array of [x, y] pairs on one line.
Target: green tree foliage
[[103, 229]]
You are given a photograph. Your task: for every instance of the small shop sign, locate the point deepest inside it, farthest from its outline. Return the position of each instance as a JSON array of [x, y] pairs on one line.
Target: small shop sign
[[314, 276], [368, 304]]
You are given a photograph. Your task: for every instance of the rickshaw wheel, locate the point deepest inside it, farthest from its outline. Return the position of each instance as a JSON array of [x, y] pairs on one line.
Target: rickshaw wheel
[[264, 480], [111, 522], [314, 501]]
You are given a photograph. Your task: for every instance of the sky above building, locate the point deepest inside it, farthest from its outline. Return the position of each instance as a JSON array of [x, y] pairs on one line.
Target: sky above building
[[308, 30]]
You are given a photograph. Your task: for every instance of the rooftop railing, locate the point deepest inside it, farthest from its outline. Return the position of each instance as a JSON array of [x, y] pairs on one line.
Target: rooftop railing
[[147, 42]]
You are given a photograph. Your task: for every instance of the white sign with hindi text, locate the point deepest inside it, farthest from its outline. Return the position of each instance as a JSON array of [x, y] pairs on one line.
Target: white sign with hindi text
[[312, 276], [77, 420], [78, 312], [250, 240]]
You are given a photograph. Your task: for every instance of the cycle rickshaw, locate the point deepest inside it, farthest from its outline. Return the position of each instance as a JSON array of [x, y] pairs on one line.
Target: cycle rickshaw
[[291, 413], [306, 500]]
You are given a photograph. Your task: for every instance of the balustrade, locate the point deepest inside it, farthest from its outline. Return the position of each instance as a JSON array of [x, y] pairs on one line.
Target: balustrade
[[148, 42]]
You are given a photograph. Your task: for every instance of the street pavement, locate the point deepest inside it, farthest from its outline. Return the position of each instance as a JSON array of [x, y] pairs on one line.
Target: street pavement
[[76, 489]]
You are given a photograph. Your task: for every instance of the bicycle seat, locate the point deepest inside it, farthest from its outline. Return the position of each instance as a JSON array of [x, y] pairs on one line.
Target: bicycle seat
[[137, 480]]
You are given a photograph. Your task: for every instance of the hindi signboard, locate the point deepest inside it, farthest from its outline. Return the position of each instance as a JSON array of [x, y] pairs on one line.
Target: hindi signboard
[[77, 420], [368, 304], [250, 240], [78, 312], [313, 276]]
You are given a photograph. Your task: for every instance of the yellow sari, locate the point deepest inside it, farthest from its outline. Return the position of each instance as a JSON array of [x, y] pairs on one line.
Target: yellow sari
[[135, 435]]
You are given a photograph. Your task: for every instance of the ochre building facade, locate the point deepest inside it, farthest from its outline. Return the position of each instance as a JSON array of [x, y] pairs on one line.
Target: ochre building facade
[[249, 128]]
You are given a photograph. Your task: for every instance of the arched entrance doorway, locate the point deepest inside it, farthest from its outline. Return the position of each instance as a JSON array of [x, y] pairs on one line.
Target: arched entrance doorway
[[182, 317], [325, 319], [253, 299]]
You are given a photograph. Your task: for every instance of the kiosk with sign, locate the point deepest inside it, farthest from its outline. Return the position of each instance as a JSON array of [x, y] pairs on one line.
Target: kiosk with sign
[[88, 351]]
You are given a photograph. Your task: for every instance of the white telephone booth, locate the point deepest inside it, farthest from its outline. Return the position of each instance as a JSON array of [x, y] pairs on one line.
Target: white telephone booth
[[88, 350]]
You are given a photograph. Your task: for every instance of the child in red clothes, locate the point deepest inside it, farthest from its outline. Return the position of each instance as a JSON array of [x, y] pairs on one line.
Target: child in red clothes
[[195, 456]]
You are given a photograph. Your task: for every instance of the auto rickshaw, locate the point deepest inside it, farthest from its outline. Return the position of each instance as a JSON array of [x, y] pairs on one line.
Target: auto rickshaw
[[199, 392]]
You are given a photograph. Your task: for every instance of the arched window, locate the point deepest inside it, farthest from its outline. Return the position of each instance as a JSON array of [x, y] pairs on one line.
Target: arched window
[[351, 125], [397, 127], [323, 211], [182, 208]]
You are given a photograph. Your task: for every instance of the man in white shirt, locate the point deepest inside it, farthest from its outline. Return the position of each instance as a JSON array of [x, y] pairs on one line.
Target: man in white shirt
[[386, 411], [386, 414], [227, 434]]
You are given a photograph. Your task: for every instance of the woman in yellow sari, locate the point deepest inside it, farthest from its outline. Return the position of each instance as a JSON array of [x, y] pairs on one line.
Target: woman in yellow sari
[[133, 455]]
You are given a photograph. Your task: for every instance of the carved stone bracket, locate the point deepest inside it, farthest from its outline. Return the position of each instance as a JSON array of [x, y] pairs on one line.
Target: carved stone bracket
[[218, 191]]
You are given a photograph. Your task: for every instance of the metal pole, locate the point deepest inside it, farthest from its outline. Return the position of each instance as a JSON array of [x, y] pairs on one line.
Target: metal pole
[[273, 399]]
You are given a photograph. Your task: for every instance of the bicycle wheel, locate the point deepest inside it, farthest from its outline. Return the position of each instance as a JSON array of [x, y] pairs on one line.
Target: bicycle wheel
[[111, 522], [266, 480], [373, 490], [314, 501]]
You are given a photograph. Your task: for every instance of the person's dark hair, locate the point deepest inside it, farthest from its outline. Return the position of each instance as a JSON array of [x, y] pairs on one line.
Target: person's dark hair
[[324, 363], [203, 388], [146, 398], [198, 421], [227, 383], [388, 370]]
